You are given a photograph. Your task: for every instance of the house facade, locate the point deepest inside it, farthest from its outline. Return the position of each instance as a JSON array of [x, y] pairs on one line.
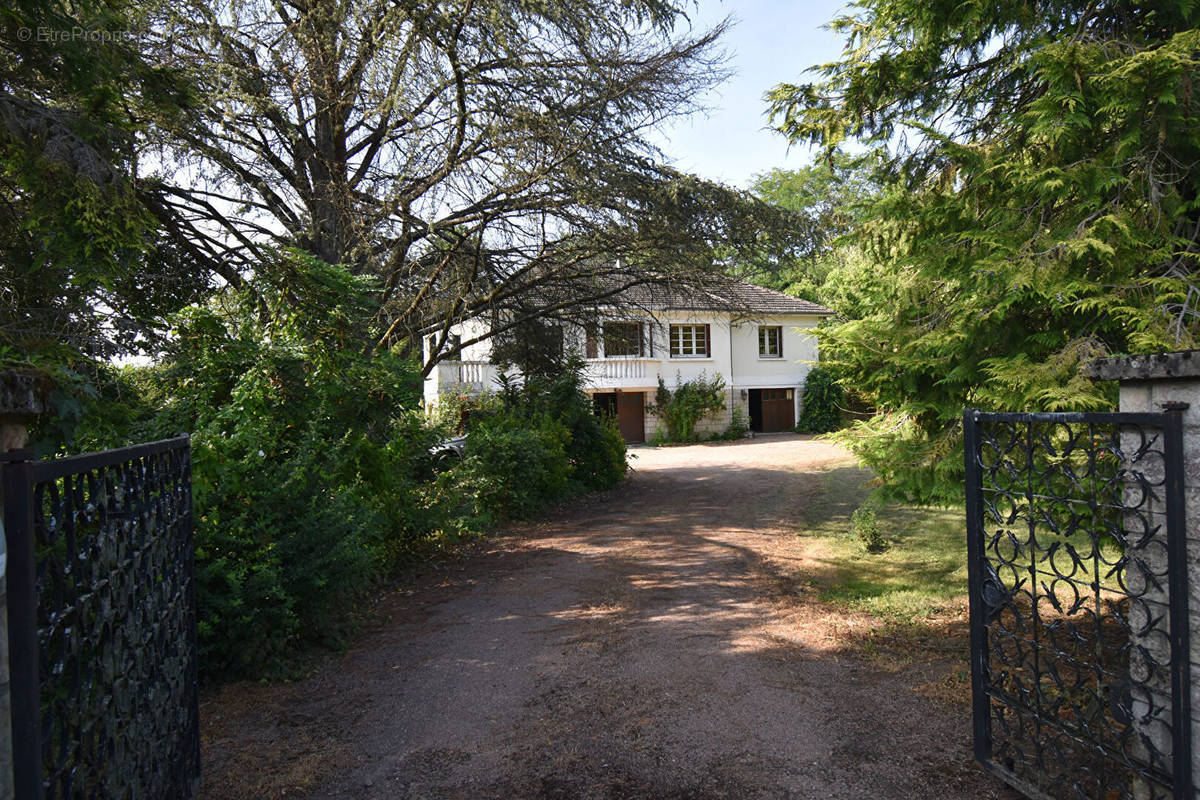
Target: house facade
[[759, 341]]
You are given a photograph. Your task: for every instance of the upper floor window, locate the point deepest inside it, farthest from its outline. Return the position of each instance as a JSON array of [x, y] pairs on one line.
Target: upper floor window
[[451, 343], [770, 341], [690, 341], [624, 339]]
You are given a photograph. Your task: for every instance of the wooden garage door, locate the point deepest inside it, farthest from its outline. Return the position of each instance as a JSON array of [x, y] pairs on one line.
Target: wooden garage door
[[631, 416], [778, 410]]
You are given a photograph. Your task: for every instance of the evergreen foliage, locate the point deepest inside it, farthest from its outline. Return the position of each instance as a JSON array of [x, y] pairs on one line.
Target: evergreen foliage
[[1039, 209], [821, 409], [81, 271]]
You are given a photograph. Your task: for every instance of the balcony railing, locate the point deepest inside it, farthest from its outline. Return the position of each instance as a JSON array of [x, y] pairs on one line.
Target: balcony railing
[[474, 376], [621, 369]]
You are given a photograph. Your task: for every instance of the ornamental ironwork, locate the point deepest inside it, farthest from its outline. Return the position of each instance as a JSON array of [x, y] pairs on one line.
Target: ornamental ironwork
[[102, 624], [1079, 633]]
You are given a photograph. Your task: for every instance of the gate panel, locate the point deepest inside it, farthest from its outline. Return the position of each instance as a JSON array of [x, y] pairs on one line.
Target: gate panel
[[114, 624], [1078, 591]]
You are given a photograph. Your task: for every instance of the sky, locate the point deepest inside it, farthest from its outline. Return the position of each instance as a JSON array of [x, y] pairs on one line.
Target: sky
[[773, 41]]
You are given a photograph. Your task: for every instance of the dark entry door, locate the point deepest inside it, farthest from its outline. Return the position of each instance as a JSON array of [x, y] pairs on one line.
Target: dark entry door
[[631, 416], [778, 410], [605, 404]]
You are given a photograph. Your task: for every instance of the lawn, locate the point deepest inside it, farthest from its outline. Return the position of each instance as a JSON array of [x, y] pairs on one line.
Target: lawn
[[922, 572]]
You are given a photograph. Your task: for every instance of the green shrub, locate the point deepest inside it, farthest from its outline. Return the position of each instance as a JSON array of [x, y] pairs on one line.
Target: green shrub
[[823, 397], [865, 525], [594, 448], [512, 470], [312, 476], [690, 402], [738, 425], [455, 412], [306, 466]]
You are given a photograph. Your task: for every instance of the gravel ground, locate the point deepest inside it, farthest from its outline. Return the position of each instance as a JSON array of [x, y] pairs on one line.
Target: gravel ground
[[656, 641]]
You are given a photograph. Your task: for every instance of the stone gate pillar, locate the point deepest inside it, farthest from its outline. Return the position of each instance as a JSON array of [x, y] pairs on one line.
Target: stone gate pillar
[[22, 400], [1153, 383]]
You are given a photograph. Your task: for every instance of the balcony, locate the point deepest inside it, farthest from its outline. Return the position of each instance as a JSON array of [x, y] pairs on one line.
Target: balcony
[[620, 373], [472, 377], [475, 377]]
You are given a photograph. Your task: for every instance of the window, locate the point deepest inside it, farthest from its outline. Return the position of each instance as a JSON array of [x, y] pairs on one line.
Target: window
[[591, 346], [451, 343], [623, 339], [770, 341], [689, 341]]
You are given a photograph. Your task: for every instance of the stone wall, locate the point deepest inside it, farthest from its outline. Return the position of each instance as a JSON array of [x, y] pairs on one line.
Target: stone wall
[[1147, 383], [6, 776], [713, 423], [22, 399]]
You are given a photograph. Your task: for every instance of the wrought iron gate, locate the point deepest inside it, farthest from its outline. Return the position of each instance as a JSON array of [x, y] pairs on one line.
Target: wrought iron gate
[[1078, 586], [102, 623]]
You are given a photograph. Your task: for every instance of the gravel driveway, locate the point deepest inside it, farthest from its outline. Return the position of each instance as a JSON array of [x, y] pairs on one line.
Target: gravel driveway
[[656, 641]]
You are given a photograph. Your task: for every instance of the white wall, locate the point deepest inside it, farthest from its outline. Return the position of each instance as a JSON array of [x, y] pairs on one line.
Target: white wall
[[799, 346], [734, 354]]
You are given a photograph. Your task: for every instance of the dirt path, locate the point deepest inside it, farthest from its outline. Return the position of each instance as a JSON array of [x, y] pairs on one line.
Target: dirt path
[[655, 642]]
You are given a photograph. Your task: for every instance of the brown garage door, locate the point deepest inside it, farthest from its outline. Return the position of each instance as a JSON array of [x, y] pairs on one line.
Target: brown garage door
[[631, 416], [778, 410]]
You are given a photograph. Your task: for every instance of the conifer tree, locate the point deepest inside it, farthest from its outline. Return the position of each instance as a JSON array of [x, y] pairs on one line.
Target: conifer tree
[[1040, 209]]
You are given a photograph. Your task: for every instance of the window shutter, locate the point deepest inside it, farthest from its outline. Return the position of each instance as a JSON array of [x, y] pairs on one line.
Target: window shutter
[[591, 348], [707, 340]]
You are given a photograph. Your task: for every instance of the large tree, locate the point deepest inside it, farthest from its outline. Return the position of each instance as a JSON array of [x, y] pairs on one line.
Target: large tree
[[80, 275], [1041, 208], [475, 156], [830, 196]]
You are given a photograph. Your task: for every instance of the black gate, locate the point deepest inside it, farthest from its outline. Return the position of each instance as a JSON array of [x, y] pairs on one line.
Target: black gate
[[102, 623], [1079, 632]]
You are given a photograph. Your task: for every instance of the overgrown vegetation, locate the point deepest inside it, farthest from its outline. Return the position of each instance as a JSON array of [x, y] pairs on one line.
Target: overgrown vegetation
[[312, 473], [923, 571], [541, 445], [680, 409], [821, 407], [1036, 209]]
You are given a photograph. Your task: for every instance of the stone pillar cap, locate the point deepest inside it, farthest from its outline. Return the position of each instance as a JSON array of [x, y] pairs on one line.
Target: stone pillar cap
[[23, 394], [1149, 367]]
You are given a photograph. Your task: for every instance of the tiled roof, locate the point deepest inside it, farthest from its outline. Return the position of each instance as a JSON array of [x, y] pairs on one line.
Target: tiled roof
[[728, 295]]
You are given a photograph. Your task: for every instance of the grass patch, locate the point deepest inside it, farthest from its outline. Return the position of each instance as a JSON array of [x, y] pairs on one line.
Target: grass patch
[[922, 572]]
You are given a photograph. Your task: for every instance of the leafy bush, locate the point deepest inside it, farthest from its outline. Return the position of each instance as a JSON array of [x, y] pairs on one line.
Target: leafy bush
[[306, 466], [540, 445], [688, 404], [512, 470], [865, 525], [594, 448], [311, 469], [823, 397], [738, 425], [454, 411]]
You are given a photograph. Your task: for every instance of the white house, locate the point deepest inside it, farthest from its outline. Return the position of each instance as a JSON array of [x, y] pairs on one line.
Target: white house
[[760, 341]]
